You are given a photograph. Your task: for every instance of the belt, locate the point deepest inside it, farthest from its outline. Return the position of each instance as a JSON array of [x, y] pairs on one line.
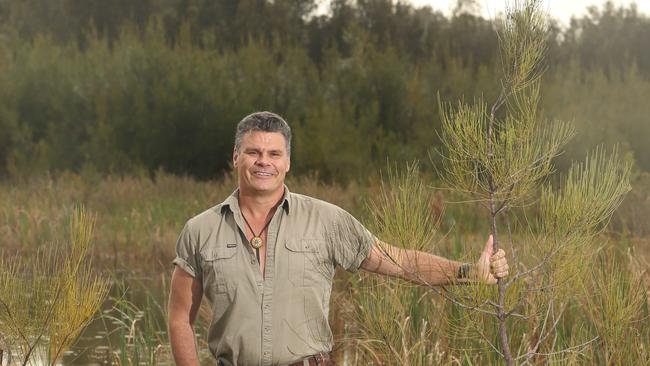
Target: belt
[[319, 359]]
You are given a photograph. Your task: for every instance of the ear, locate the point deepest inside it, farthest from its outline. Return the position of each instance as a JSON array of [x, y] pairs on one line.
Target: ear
[[235, 156]]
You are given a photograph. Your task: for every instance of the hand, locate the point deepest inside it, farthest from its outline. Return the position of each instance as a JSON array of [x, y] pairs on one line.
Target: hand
[[490, 266]]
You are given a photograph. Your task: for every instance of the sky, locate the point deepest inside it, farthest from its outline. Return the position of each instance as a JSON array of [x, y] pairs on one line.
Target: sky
[[558, 9]]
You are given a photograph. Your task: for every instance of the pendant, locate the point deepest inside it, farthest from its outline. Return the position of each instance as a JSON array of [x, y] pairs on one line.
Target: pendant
[[256, 242]]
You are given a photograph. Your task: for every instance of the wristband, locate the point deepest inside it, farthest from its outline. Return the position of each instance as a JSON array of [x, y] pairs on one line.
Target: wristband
[[463, 271]]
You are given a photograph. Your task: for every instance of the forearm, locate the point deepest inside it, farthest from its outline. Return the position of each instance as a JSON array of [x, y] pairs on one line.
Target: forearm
[[181, 336], [429, 269], [184, 301], [419, 267]]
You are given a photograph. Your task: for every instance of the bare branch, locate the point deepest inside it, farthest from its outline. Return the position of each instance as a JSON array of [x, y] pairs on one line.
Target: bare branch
[[567, 350]]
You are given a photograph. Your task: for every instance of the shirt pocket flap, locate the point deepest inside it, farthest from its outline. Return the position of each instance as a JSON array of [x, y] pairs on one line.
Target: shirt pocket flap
[[221, 252], [304, 245]]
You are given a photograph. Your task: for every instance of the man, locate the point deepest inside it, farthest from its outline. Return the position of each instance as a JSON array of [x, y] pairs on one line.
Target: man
[[265, 258]]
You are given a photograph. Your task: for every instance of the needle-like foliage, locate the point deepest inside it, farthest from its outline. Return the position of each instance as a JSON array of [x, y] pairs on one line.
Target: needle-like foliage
[[46, 302], [522, 43], [588, 196], [506, 165], [500, 156], [393, 318]]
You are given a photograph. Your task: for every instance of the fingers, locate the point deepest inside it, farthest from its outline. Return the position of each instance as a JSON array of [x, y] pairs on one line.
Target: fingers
[[501, 274], [499, 264]]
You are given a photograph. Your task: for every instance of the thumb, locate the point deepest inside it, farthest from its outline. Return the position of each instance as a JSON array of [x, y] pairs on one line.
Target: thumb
[[483, 264], [489, 247]]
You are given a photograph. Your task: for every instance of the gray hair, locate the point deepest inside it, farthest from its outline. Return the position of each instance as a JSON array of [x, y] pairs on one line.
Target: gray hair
[[266, 122]]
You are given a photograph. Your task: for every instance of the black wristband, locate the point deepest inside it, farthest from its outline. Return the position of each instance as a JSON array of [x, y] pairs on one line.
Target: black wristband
[[463, 271]]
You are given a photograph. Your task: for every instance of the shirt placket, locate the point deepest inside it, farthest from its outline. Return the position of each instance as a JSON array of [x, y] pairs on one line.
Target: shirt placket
[[267, 295], [255, 269]]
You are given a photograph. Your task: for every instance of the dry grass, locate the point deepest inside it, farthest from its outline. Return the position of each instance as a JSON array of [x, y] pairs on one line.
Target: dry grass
[[138, 220]]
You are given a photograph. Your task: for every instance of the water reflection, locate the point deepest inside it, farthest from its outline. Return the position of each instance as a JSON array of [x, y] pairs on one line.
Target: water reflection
[[131, 329]]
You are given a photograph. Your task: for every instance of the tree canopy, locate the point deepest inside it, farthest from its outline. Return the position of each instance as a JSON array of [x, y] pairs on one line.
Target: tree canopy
[[132, 87]]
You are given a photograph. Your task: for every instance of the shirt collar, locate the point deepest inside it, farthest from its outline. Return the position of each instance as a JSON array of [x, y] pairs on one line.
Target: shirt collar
[[232, 201]]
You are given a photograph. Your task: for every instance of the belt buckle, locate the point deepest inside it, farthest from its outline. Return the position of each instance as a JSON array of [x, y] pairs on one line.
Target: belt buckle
[[320, 359]]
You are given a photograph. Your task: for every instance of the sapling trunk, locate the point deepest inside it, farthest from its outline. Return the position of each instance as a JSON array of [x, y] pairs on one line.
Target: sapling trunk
[[494, 211], [502, 315]]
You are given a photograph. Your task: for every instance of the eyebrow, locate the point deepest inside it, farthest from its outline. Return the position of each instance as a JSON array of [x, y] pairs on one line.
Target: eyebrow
[[258, 150]]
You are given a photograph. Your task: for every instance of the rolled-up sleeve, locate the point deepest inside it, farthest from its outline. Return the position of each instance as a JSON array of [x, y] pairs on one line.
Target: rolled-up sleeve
[[350, 241], [187, 253]]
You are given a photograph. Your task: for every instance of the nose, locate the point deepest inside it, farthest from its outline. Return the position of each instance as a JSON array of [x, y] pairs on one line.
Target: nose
[[262, 160]]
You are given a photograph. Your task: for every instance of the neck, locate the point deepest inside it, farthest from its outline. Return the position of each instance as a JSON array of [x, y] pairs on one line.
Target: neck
[[259, 205]]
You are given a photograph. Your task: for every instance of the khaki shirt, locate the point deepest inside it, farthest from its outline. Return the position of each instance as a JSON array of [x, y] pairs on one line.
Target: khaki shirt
[[282, 317]]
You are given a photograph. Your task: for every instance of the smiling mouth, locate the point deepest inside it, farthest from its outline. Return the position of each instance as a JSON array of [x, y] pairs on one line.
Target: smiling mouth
[[262, 174]]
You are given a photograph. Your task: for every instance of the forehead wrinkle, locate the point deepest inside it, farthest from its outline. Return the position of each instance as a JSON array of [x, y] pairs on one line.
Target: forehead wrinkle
[[254, 139]]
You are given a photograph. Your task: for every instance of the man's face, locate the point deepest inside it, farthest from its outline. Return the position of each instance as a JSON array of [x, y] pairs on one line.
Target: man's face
[[261, 162]]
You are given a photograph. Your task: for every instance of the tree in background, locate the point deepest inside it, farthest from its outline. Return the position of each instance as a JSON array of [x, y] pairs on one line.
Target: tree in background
[[159, 84]]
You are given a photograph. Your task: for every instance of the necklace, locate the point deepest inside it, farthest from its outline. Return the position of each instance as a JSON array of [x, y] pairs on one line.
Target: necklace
[[256, 241]]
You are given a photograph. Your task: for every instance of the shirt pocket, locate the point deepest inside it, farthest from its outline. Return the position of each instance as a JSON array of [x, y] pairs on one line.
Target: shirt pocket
[[219, 267], [309, 263]]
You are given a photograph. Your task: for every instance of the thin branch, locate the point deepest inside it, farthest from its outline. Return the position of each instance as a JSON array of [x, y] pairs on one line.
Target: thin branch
[[539, 340], [11, 317], [555, 323], [45, 323], [545, 336], [498, 103], [567, 350], [536, 267], [486, 339], [506, 199]]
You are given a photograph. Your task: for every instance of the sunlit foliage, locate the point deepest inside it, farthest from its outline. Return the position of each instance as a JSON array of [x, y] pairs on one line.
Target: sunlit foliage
[[46, 300]]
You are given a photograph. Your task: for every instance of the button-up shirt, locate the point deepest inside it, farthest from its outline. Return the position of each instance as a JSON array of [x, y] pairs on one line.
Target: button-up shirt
[[280, 317]]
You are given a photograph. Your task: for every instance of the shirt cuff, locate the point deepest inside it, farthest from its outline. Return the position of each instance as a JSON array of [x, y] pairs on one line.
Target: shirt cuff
[[185, 266], [361, 256]]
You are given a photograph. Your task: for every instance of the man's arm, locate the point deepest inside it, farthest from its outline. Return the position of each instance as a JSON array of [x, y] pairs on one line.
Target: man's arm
[[433, 270], [184, 301]]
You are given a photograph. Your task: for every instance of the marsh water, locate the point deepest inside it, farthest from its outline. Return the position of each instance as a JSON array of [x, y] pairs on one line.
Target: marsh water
[[131, 328]]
